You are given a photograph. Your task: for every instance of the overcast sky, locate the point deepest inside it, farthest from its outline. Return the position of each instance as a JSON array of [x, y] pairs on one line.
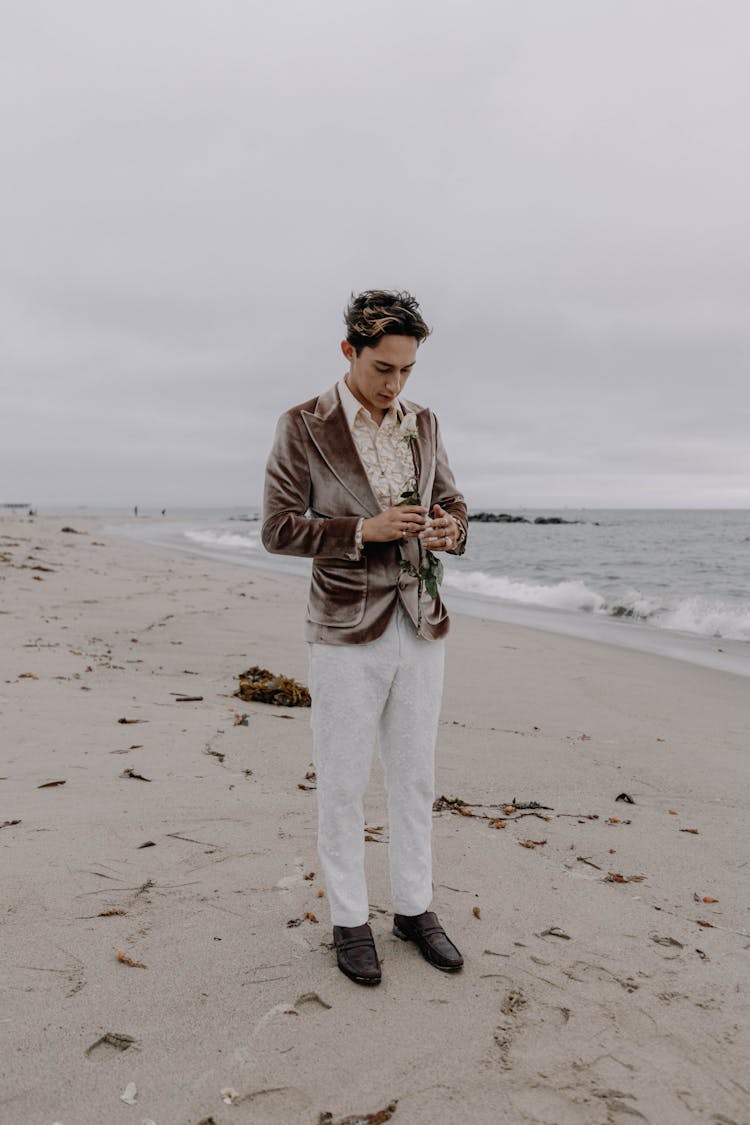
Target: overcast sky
[[191, 190]]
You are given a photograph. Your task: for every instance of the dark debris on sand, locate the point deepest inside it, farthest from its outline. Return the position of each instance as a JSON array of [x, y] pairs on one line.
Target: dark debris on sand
[[258, 685]]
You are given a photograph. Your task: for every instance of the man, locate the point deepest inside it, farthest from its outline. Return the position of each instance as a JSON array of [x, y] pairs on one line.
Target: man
[[358, 479]]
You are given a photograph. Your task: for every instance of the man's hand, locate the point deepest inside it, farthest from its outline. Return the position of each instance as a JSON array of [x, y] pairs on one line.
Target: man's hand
[[443, 533], [405, 521]]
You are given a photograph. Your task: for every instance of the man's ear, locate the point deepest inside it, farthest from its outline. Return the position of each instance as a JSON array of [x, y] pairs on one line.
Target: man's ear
[[350, 352]]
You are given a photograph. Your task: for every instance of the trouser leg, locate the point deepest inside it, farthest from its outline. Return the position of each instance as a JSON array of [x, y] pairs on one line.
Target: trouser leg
[[408, 733], [349, 685]]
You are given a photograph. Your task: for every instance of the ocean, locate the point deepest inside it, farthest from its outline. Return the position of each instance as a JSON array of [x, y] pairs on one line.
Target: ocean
[[671, 582]]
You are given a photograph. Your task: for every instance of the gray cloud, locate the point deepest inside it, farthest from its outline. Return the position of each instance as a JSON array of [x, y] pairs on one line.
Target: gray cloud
[[190, 192]]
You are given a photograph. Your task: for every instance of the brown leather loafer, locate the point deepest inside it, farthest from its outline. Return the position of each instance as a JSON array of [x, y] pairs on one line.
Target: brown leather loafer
[[356, 953], [434, 944]]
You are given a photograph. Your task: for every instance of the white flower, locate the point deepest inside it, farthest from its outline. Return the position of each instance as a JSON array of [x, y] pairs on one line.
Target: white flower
[[408, 427]]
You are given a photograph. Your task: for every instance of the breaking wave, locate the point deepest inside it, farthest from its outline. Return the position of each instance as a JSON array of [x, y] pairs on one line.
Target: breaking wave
[[699, 615], [221, 539], [563, 595]]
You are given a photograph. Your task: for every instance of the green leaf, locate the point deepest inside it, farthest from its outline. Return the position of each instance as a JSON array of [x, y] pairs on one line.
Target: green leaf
[[409, 498], [407, 568], [410, 495]]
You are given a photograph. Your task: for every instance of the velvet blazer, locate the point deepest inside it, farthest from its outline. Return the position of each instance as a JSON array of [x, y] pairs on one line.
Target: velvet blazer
[[316, 490]]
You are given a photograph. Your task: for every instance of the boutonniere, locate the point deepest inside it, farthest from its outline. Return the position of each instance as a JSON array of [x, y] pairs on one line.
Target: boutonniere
[[408, 428], [429, 573]]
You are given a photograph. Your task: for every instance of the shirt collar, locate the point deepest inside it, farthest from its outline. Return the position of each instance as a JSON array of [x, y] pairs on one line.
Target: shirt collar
[[352, 406]]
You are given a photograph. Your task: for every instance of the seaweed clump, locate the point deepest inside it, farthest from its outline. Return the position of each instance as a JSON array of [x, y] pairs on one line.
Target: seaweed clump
[[258, 685]]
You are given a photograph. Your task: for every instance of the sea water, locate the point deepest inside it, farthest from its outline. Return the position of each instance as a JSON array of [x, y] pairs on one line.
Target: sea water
[[675, 582]]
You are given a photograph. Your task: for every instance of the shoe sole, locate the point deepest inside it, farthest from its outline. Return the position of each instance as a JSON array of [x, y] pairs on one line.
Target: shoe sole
[[357, 979], [425, 953]]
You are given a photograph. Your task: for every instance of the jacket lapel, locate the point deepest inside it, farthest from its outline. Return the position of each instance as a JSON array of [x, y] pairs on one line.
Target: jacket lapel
[[329, 431]]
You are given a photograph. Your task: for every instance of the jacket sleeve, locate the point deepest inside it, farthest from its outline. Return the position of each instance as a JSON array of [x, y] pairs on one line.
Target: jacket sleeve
[[287, 528], [445, 493]]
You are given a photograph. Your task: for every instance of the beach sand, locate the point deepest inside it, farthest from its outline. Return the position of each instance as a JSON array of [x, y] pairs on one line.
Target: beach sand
[[583, 1000]]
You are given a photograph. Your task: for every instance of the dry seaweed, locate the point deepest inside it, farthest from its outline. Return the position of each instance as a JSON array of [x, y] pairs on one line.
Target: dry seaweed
[[459, 807], [529, 805], [454, 804], [125, 960], [378, 1118], [309, 776], [258, 685], [132, 773]]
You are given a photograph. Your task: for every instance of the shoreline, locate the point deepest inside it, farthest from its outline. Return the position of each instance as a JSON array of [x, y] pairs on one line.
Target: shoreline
[[720, 654], [584, 998]]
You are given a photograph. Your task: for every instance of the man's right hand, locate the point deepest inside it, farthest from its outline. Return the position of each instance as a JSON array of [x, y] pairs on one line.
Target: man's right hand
[[405, 521]]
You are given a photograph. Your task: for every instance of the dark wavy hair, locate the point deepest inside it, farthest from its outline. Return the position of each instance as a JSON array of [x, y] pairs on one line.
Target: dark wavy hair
[[379, 312]]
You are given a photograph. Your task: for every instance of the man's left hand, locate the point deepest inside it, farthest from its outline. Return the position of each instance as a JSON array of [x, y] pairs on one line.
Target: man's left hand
[[444, 532]]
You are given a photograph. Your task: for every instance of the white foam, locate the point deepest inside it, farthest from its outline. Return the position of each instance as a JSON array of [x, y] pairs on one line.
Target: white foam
[[707, 618], [635, 604], [224, 539], [700, 616], [574, 595]]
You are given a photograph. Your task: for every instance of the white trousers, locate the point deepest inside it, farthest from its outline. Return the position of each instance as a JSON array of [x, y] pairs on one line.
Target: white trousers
[[388, 691]]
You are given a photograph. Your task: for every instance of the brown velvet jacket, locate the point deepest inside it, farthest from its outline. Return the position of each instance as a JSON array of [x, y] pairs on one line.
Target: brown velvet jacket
[[316, 490]]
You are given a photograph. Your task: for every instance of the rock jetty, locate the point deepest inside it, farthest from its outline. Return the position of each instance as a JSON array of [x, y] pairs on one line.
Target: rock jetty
[[504, 517]]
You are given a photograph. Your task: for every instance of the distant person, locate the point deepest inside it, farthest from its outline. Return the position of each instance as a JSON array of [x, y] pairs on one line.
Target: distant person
[[353, 475], [135, 510], [164, 511]]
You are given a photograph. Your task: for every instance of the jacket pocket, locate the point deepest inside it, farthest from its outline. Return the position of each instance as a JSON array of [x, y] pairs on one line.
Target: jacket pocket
[[338, 592]]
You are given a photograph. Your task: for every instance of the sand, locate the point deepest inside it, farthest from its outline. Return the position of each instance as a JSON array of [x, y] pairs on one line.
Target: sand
[[584, 999]]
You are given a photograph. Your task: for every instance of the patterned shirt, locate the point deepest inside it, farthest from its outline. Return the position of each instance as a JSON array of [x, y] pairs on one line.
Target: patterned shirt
[[386, 457]]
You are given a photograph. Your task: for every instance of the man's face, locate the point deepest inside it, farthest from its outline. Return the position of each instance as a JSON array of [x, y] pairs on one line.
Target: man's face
[[377, 375]]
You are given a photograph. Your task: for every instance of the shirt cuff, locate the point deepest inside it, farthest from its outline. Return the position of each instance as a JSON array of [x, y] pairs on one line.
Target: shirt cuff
[[358, 544]]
